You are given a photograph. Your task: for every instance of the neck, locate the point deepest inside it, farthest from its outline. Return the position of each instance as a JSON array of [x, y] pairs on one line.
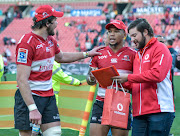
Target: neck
[[41, 32], [116, 48], [148, 38]]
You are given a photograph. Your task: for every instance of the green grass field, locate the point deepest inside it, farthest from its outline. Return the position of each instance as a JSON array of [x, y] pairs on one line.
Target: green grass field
[[67, 132]]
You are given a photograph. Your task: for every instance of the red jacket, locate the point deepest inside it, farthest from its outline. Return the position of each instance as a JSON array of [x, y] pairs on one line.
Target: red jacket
[[152, 86]]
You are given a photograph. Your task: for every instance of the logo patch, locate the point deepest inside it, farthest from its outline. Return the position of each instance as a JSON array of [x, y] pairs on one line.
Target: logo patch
[[114, 60], [22, 55], [120, 107], [147, 57], [126, 58]]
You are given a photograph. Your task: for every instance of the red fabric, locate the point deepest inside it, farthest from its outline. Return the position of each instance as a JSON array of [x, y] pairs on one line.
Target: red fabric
[[122, 60], [116, 108], [150, 68], [117, 23], [105, 73], [46, 11]]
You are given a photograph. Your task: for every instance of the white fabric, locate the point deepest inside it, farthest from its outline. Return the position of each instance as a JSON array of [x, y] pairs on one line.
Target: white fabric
[[40, 85], [53, 131], [165, 95]]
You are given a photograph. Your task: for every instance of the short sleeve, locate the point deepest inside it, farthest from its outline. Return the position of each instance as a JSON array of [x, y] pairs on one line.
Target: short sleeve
[[24, 54], [93, 62], [57, 50]]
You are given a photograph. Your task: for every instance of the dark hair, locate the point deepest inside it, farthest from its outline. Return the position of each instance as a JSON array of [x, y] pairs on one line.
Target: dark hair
[[141, 25], [170, 42], [42, 23]]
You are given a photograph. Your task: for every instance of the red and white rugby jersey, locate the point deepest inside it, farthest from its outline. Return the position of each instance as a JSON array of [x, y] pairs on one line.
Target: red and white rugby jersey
[[122, 60], [32, 50]]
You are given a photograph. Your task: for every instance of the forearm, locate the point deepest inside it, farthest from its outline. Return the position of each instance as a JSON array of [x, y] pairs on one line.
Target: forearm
[[26, 92], [71, 57]]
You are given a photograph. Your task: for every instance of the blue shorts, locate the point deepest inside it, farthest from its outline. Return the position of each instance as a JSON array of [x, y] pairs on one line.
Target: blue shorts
[[98, 110], [46, 106], [156, 124]]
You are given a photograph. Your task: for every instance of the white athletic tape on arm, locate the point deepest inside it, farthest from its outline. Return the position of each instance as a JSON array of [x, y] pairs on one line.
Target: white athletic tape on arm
[[32, 107]]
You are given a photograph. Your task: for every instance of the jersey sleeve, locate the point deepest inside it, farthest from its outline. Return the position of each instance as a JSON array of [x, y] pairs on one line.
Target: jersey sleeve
[[57, 49], [93, 62], [24, 54]]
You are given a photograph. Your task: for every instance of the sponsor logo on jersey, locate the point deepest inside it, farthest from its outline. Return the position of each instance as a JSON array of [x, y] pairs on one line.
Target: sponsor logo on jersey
[[47, 49], [146, 58], [102, 57], [39, 46], [47, 66], [126, 58], [114, 60], [22, 55]]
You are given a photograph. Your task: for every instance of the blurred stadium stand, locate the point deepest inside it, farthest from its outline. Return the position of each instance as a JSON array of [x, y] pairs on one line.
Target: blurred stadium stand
[[93, 26]]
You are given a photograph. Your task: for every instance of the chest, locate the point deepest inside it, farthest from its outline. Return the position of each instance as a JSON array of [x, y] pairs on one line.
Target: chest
[[122, 60], [44, 50]]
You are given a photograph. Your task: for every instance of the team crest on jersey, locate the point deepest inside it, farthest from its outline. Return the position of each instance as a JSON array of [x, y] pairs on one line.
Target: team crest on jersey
[[50, 43], [126, 58], [22, 55], [114, 60]]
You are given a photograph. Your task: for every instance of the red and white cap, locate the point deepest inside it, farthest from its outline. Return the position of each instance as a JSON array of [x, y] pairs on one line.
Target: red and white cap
[[117, 23], [46, 11]]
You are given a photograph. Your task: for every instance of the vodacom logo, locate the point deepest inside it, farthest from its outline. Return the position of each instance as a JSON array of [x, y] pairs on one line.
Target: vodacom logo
[[120, 107]]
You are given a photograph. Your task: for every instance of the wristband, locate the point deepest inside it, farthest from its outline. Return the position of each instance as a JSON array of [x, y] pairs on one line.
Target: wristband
[[86, 54], [32, 107]]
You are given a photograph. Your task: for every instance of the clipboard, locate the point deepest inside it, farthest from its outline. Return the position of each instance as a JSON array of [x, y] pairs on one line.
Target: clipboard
[[104, 75]]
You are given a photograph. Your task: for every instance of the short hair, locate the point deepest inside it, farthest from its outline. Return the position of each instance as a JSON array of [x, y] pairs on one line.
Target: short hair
[[42, 23], [141, 25], [170, 42]]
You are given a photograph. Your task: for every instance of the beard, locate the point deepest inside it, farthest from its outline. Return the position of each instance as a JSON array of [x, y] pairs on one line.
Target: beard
[[142, 42], [50, 31]]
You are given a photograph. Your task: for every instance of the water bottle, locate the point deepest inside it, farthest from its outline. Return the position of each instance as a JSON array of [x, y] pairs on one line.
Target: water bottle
[[35, 130]]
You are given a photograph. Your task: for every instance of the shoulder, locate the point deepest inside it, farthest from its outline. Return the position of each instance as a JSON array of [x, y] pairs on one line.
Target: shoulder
[[27, 38], [52, 39], [131, 50]]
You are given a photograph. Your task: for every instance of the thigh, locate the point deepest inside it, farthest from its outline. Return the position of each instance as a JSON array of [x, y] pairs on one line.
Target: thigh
[[44, 127], [97, 112], [119, 132], [98, 130], [21, 113], [160, 123], [139, 126], [48, 109]]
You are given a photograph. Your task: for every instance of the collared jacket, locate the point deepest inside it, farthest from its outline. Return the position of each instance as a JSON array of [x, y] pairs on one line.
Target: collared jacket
[[151, 78], [1, 67]]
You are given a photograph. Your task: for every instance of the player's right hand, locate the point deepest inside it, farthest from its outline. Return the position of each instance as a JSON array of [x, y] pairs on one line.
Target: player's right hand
[[35, 117]]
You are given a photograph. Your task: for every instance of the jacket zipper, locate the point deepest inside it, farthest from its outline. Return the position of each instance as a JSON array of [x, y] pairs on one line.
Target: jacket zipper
[[140, 83]]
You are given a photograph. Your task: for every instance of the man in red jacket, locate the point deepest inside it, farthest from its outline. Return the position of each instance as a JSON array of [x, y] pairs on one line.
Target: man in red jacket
[[152, 95]]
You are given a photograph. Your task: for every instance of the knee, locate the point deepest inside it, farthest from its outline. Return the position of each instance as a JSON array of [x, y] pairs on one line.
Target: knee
[[53, 131]]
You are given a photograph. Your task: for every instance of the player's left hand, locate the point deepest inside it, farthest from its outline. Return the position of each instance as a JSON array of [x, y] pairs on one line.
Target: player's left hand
[[94, 51], [121, 78]]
